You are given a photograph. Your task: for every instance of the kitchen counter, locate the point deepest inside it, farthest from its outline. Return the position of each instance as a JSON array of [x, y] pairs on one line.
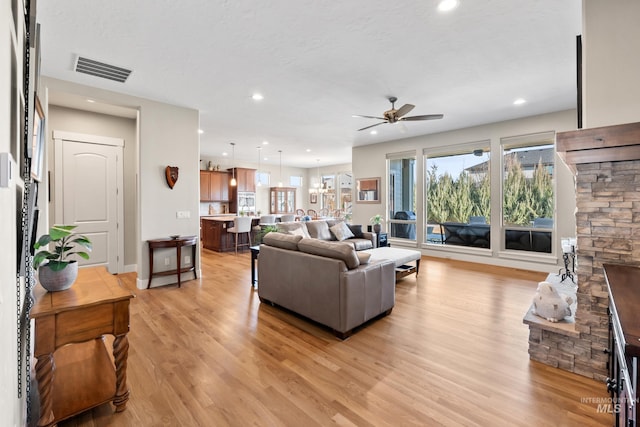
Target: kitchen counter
[[214, 233]]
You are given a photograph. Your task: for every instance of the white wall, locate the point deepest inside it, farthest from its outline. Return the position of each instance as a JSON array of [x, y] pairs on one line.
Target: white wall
[[167, 136], [369, 161], [78, 121], [12, 408], [611, 62]]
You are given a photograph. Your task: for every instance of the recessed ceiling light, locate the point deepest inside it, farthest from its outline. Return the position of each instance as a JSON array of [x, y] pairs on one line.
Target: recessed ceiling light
[[447, 5], [374, 132], [91, 101], [519, 101], [265, 142], [257, 97], [308, 150], [200, 131], [225, 154]]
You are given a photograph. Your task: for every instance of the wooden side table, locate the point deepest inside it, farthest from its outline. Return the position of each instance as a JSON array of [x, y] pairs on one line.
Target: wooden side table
[[76, 377], [177, 243]]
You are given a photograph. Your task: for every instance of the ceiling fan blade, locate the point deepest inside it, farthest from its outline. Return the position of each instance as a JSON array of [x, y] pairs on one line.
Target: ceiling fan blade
[[381, 123], [369, 117], [426, 117], [404, 110]]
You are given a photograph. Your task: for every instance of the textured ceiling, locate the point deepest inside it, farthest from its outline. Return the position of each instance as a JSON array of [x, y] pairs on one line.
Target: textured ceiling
[[318, 62]]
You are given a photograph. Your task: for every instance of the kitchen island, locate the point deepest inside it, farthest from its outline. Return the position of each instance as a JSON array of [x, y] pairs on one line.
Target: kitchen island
[[214, 233]]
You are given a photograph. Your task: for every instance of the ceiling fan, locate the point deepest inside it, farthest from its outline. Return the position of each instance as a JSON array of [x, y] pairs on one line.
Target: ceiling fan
[[393, 115]]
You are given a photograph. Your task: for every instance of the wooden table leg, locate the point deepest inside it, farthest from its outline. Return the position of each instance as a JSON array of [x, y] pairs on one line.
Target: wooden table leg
[[120, 354], [150, 266], [44, 375], [179, 253]]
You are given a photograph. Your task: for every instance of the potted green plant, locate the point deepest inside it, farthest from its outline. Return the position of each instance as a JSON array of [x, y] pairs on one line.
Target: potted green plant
[[59, 272], [263, 232], [376, 220]]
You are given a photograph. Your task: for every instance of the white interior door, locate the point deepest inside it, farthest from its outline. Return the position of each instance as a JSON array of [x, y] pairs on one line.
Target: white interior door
[[87, 176]]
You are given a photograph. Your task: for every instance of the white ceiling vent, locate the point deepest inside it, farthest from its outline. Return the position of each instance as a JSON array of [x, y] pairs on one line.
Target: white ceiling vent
[[100, 69]]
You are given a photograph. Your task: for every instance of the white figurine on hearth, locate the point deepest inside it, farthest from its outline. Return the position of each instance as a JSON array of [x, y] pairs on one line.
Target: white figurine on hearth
[[550, 304]]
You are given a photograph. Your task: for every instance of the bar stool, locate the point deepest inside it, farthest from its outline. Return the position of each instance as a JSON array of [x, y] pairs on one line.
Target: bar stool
[[241, 224]]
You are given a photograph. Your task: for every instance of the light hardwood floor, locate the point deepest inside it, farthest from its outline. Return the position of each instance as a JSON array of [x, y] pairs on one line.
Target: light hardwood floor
[[453, 352]]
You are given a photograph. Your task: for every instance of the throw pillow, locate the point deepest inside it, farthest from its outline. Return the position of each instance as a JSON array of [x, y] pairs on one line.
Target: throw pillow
[[319, 230], [363, 257], [290, 227], [341, 231], [356, 230]]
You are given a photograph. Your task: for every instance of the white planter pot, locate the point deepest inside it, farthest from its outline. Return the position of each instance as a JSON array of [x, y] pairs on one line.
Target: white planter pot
[[54, 281]]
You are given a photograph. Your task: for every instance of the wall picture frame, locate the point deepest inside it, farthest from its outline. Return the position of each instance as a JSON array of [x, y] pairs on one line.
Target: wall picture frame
[[37, 142], [313, 198], [368, 190]]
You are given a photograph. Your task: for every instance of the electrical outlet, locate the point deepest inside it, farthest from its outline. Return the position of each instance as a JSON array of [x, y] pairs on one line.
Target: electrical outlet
[[167, 261], [187, 259]]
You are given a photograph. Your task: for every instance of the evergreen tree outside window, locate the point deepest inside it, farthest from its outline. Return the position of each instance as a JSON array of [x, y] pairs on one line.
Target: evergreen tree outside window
[[458, 197], [528, 193]]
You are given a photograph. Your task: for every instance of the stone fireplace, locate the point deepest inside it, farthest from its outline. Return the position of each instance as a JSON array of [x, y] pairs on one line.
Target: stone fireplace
[[606, 164]]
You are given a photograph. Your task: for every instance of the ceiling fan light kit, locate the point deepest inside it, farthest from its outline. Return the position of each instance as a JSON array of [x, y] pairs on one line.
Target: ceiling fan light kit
[[394, 116]]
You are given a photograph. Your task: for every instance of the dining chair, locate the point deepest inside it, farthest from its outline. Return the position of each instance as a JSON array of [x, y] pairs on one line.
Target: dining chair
[[241, 225], [312, 213], [300, 212], [337, 214], [323, 213], [287, 218]]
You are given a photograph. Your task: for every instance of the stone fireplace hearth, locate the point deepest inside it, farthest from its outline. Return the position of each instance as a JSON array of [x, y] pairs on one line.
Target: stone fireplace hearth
[[606, 163]]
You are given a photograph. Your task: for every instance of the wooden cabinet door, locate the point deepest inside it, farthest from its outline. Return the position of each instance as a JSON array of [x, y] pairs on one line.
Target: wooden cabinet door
[[205, 186], [215, 186], [223, 183], [249, 180]]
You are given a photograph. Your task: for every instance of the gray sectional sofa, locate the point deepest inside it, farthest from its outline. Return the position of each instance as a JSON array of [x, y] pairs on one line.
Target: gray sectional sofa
[[326, 281], [323, 230]]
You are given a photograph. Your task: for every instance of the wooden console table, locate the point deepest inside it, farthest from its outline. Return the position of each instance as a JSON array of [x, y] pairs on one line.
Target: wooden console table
[[177, 243], [76, 377]]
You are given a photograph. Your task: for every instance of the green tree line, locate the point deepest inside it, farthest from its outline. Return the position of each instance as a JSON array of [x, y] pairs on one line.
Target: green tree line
[[457, 199]]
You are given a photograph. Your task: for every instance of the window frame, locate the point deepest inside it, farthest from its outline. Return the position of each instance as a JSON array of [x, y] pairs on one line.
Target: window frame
[[515, 143], [390, 197]]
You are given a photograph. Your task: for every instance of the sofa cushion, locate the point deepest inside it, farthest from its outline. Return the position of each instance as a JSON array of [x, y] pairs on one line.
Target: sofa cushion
[[337, 250], [341, 231], [319, 230], [282, 240], [363, 257], [297, 227], [360, 244], [356, 230]]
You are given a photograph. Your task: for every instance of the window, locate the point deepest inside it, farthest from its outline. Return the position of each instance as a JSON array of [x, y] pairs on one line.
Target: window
[[402, 195], [263, 178], [295, 181], [458, 197], [528, 193]]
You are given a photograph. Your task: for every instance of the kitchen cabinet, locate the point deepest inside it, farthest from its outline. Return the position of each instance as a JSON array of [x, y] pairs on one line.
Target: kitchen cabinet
[[214, 186], [215, 236], [245, 188], [246, 179], [282, 200]]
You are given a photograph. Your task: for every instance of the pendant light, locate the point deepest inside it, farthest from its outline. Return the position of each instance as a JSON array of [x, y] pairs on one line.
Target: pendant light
[[259, 177], [280, 182], [233, 162]]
